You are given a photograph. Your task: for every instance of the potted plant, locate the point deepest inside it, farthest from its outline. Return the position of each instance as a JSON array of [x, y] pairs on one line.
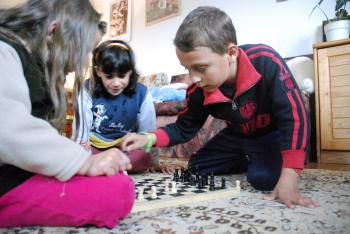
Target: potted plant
[[338, 27]]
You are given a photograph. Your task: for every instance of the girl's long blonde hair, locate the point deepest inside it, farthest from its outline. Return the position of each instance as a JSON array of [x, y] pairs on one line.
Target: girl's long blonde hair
[[73, 39]]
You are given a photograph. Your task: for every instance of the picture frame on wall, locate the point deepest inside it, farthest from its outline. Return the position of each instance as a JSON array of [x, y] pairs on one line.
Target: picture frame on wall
[[119, 26], [159, 10]]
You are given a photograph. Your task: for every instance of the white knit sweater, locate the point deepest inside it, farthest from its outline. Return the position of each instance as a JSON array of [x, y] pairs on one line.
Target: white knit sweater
[[28, 142]]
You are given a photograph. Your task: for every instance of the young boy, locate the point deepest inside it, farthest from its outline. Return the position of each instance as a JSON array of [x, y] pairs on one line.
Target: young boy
[[251, 88]]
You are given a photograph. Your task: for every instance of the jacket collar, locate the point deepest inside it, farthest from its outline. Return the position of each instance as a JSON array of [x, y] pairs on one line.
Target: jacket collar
[[247, 76]]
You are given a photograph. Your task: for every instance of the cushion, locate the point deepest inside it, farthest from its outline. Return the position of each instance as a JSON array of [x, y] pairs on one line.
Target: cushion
[[154, 80], [169, 108], [182, 78], [162, 94], [302, 69]]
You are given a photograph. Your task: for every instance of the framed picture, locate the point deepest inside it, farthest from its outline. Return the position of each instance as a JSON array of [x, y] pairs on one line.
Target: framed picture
[[159, 10], [119, 20]]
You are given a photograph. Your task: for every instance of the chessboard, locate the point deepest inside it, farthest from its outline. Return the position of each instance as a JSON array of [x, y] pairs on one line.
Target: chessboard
[[185, 194]]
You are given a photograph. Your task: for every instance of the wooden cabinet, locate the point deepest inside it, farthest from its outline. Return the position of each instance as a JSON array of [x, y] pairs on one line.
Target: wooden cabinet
[[67, 130], [332, 95]]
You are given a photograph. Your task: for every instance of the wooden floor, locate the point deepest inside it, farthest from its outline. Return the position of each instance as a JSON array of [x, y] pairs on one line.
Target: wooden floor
[[329, 166]]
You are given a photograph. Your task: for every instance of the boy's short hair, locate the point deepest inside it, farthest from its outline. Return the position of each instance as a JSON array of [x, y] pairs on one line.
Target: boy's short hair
[[206, 26]]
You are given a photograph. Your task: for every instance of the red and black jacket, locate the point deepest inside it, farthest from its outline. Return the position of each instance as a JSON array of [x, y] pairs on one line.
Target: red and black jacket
[[264, 99]]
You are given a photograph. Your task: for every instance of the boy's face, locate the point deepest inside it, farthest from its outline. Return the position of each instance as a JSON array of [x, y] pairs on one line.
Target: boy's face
[[207, 68]]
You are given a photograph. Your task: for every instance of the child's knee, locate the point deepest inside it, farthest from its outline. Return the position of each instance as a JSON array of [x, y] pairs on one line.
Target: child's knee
[[140, 161], [262, 180], [117, 201]]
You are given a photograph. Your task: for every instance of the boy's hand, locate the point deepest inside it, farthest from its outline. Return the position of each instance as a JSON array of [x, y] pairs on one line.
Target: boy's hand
[[166, 169], [287, 191], [109, 162], [133, 141]]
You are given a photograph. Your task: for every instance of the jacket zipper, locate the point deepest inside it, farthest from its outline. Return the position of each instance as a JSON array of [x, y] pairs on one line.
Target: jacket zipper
[[234, 104]]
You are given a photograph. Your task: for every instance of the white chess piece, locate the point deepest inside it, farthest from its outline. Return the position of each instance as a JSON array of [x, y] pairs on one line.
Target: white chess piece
[[140, 194], [166, 185], [173, 187], [238, 184], [153, 192]]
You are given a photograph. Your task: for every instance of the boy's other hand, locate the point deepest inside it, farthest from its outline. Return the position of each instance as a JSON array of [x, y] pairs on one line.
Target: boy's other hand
[[109, 162], [287, 190], [133, 141]]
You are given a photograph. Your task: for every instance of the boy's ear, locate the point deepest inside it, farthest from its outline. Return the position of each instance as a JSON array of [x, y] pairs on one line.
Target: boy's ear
[[51, 29], [232, 51]]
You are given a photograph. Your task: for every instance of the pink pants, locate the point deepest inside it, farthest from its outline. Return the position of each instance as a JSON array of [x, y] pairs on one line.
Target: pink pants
[[139, 159], [102, 201]]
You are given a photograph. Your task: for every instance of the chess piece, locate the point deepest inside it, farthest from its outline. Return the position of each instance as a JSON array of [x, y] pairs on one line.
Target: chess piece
[[166, 186], [187, 176], [182, 175], [153, 192], [173, 187], [201, 182], [197, 178], [189, 169], [212, 182], [193, 181], [223, 183], [140, 194], [176, 175], [206, 178], [238, 184]]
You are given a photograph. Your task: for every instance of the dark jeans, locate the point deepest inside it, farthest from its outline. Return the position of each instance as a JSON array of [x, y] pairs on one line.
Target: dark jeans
[[260, 157]]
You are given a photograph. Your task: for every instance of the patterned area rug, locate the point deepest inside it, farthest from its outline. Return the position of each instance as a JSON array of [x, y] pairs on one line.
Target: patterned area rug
[[247, 213]]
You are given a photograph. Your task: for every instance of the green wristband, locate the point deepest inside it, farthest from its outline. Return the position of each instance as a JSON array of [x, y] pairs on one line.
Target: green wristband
[[150, 141]]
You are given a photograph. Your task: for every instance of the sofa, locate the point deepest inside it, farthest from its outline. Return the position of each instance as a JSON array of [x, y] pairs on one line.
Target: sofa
[[166, 112]]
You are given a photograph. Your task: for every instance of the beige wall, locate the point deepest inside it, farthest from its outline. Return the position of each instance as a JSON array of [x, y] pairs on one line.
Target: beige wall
[[10, 3]]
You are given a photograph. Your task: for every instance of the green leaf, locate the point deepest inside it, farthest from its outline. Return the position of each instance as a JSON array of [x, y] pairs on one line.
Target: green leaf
[[339, 4]]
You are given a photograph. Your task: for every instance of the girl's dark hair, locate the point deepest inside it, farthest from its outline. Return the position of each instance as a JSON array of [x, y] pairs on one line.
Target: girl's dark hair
[[113, 57]]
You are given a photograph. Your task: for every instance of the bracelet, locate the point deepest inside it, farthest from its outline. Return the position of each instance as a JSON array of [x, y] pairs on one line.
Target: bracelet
[[150, 141]]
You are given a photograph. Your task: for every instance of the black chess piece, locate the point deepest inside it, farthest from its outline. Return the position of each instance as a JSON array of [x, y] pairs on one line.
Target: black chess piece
[[188, 178], [200, 184], [197, 178], [176, 175], [223, 183], [212, 182], [182, 175], [189, 168], [203, 180], [206, 179], [193, 181]]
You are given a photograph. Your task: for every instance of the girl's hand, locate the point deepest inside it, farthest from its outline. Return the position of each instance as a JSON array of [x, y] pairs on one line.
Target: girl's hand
[[109, 162], [133, 141], [166, 169], [287, 191]]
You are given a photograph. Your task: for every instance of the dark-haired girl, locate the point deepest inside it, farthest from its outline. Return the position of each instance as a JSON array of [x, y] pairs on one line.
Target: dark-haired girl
[[114, 104]]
